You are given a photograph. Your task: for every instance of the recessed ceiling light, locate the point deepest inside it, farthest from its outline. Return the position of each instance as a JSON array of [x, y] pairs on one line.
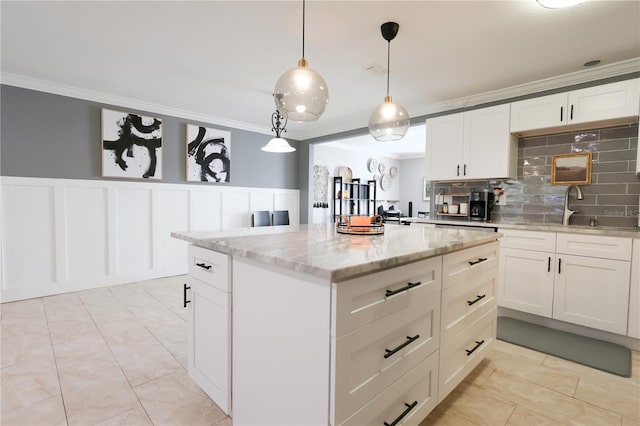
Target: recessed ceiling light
[[557, 4], [592, 63]]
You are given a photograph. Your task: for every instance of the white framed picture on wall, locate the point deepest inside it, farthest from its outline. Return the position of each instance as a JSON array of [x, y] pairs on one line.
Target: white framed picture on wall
[[208, 154], [131, 145]]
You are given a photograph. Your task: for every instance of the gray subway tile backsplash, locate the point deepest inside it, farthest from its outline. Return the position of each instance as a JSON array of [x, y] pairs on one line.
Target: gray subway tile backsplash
[[612, 198]]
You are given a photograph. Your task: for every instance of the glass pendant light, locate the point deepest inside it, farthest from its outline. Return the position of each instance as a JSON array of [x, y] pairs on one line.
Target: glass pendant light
[[389, 121], [278, 144], [301, 92]]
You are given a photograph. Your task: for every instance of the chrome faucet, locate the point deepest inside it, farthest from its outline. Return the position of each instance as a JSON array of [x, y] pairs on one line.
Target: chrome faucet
[[567, 212]]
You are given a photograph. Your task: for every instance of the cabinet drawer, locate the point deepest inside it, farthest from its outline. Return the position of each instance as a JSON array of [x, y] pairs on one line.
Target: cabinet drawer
[[466, 265], [210, 267], [463, 305], [373, 357], [363, 300], [460, 355], [417, 389], [618, 248], [528, 240]]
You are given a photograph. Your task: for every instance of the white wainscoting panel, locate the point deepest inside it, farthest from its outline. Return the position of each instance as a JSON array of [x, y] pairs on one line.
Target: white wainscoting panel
[[86, 223], [62, 235], [133, 230], [29, 234]]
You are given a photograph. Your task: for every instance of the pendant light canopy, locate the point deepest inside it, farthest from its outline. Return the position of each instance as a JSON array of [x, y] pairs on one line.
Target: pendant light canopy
[[389, 121], [301, 92], [278, 144]]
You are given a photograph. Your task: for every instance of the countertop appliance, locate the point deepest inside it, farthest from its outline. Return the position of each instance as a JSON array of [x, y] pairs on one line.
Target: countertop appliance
[[480, 205]]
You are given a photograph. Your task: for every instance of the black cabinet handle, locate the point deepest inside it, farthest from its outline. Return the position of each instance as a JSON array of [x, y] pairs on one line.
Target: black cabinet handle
[[561, 111], [478, 344], [404, 413], [409, 340], [549, 265], [559, 265], [478, 298], [400, 290], [571, 113], [202, 265], [184, 296], [480, 259], [458, 170], [464, 172]]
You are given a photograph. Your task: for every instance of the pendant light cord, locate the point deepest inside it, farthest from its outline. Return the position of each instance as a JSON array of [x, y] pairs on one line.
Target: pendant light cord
[[388, 64], [303, 15]]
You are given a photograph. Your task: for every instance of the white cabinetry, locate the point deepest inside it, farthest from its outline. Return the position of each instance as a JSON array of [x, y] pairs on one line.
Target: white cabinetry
[[634, 293], [209, 320], [592, 285], [577, 278], [471, 145], [468, 326], [527, 266], [607, 102]]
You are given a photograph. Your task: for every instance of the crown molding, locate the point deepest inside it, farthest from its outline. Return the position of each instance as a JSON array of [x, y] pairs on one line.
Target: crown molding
[[120, 101], [584, 76]]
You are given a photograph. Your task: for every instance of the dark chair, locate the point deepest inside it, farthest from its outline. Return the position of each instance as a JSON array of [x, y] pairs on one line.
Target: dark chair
[[281, 217], [261, 218]]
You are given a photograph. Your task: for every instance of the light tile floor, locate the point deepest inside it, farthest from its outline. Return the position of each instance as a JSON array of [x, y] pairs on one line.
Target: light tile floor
[[118, 356]]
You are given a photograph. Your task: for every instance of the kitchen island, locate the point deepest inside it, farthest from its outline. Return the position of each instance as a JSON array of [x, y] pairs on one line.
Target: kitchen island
[[316, 327]]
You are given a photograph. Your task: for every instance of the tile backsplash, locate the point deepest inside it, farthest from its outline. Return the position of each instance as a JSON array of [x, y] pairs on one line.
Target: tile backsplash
[[612, 199]]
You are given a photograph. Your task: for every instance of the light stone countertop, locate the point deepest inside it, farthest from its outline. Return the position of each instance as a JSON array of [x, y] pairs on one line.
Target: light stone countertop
[[610, 231], [319, 250]]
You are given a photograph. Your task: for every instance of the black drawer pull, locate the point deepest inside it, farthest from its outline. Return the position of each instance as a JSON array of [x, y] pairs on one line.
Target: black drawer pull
[[202, 265], [464, 172], [571, 117], [458, 170], [404, 413], [396, 349], [559, 266], [549, 265], [478, 344], [184, 296], [480, 259], [400, 290], [478, 298], [561, 111]]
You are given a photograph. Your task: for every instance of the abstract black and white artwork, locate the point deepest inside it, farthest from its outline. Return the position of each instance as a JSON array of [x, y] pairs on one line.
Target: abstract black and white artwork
[[208, 154], [131, 145]]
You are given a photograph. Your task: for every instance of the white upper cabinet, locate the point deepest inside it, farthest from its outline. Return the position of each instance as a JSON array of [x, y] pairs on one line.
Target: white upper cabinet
[[608, 102], [471, 145]]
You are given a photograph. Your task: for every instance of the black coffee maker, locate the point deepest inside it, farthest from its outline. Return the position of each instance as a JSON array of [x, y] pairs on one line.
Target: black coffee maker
[[480, 204]]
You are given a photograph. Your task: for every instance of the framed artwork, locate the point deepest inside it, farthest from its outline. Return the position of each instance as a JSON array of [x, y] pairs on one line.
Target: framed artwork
[[131, 145], [426, 189], [208, 154], [571, 169]]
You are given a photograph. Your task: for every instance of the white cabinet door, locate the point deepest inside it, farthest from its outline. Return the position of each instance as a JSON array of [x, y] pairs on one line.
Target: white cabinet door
[[444, 147], [634, 293], [210, 341], [539, 113], [489, 150], [592, 292], [525, 281], [608, 101]]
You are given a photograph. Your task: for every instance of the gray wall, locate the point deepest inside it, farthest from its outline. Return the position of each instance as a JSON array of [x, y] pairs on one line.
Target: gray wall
[[51, 136]]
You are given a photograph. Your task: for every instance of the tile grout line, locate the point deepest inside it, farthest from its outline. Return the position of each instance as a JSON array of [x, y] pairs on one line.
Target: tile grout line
[[55, 361]]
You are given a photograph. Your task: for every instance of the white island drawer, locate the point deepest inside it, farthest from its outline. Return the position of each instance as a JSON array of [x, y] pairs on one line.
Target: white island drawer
[[210, 267], [462, 354], [363, 300], [618, 248], [464, 266], [373, 357], [415, 394]]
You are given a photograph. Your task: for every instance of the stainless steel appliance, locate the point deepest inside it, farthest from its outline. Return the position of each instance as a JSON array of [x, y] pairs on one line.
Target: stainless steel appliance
[[480, 205]]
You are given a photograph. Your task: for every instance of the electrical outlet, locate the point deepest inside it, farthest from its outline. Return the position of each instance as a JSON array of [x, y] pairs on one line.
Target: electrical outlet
[[501, 200]]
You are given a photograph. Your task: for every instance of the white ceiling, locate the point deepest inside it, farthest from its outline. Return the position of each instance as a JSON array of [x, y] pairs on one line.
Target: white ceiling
[[219, 60]]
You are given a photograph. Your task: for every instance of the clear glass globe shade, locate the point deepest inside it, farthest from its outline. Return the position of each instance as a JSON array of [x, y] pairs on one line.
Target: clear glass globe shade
[[302, 93], [389, 122], [278, 145]]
